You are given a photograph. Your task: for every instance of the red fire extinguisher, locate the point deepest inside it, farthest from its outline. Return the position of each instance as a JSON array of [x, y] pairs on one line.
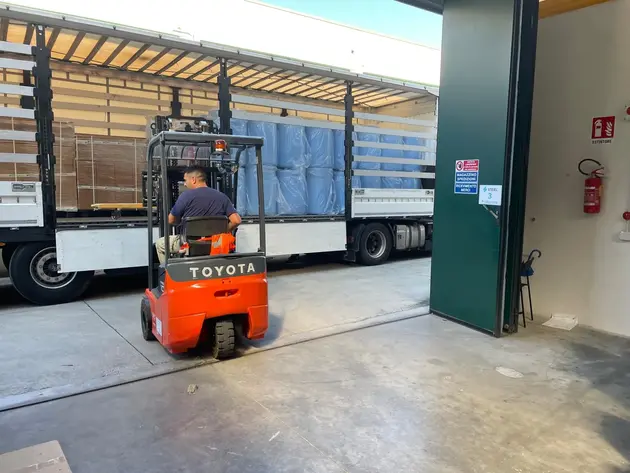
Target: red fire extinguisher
[[593, 187]]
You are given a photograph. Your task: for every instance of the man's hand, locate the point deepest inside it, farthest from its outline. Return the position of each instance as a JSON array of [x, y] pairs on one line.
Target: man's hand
[[234, 221], [172, 220]]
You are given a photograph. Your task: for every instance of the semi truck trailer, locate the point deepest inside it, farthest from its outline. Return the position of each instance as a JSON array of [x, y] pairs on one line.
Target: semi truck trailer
[[337, 179]]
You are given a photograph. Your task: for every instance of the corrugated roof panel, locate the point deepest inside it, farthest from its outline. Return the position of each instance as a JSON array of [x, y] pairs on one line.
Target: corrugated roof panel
[[92, 43]]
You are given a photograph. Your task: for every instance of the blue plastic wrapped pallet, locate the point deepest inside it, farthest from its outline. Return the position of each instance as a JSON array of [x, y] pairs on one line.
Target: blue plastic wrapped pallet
[[269, 132], [340, 192], [320, 191], [293, 150], [391, 182], [270, 188], [321, 147], [339, 161], [239, 127], [413, 183], [369, 182], [241, 191], [292, 192]]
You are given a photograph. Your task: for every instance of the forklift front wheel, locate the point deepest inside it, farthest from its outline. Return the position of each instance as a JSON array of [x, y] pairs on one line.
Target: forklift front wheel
[[224, 340], [146, 319]]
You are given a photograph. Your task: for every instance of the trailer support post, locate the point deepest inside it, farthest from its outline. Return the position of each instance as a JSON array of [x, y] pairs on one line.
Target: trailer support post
[[225, 114]]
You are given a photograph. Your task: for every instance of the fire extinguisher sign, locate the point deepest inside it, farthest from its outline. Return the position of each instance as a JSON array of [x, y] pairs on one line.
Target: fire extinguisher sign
[[602, 130]]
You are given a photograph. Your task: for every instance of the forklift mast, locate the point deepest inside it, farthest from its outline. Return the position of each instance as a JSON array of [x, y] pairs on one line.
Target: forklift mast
[[194, 142]]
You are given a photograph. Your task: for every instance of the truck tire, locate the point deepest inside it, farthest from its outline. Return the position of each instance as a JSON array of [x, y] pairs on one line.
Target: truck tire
[[33, 272], [7, 252], [224, 340], [375, 244]]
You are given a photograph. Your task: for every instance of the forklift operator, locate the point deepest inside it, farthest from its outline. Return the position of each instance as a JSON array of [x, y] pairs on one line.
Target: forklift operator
[[198, 201]]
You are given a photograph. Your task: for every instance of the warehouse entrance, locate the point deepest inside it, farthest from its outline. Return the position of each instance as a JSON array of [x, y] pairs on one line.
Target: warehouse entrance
[[488, 52]]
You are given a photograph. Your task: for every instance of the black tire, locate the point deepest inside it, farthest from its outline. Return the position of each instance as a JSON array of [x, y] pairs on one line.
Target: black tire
[[146, 319], [33, 272], [7, 253], [375, 244], [224, 341]]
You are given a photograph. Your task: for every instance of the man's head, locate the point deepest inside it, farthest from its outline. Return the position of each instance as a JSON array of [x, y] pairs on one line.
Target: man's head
[[195, 177]]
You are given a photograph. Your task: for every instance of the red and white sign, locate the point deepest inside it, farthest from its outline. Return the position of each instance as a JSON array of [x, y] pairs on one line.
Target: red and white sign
[[602, 130], [470, 165]]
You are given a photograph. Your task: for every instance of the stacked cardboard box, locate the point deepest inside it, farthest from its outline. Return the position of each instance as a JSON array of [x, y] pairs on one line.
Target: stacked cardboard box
[[65, 152], [90, 169], [109, 170]]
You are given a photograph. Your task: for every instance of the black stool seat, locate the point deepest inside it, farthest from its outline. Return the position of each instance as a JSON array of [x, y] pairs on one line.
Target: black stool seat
[[526, 271]]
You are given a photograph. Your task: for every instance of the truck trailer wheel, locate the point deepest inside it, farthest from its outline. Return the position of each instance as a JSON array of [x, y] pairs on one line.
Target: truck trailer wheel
[[7, 252], [33, 272], [375, 244], [224, 340]]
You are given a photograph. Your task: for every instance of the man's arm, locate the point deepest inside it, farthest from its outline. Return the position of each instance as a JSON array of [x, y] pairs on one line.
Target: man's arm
[[178, 209], [232, 215], [234, 221]]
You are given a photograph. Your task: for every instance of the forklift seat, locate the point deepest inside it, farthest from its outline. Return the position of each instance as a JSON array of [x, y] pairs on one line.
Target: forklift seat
[[196, 228]]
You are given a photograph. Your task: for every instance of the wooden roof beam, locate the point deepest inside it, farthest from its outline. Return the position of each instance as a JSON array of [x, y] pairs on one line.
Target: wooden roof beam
[[549, 8]]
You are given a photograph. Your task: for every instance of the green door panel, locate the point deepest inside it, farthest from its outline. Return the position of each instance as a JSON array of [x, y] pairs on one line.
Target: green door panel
[[477, 97]]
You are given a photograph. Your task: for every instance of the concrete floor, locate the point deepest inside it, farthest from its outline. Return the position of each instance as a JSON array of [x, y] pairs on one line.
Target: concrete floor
[[420, 395], [55, 351]]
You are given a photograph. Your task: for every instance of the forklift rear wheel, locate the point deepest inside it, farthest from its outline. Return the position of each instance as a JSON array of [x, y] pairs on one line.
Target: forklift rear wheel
[[33, 270], [224, 340], [146, 319]]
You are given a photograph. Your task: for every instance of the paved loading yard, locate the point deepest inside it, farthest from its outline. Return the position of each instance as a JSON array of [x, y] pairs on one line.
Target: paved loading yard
[[421, 394], [51, 351]]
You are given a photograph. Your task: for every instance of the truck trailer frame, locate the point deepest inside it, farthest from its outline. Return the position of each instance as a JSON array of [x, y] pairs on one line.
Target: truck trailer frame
[[52, 254]]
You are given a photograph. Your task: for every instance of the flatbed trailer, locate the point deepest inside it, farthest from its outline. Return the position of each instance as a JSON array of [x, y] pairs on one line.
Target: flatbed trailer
[[52, 254]]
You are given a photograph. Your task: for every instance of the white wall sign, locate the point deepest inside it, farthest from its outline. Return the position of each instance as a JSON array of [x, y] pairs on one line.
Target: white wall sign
[[490, 195]]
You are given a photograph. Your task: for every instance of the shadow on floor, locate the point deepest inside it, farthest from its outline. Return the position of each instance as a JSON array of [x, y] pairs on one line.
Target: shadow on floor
[[606, 365]]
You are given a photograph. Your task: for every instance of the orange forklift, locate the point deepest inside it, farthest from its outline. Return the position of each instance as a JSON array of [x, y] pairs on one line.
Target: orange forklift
[[207, 291]]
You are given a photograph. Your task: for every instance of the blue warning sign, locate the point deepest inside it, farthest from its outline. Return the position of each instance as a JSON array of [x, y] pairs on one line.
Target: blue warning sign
[[467, 176]]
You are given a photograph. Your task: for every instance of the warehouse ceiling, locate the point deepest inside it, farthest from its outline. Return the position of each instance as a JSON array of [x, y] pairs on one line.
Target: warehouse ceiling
[[92, 43]]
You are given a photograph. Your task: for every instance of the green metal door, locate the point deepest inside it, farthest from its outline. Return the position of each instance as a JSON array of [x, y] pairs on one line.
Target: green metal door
[[483, 129]]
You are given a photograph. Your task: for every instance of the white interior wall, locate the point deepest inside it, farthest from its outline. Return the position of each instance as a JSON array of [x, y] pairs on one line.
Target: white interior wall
[[582, 71]]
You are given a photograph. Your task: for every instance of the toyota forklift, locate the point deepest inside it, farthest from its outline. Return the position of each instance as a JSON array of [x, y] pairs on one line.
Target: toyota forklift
[[207, 291]]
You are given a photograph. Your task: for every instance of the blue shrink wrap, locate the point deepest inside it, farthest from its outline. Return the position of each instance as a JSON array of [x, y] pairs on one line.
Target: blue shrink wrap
[[269, 132], [292, 192], [239, 127], [340, 192], [320, 191], [356, 182], [409, 140], [293, 150], [369, 182], [241, 191], [270, 188], [339, 161], [392, 153], [411, 183], [391, 182], [321, 147]]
